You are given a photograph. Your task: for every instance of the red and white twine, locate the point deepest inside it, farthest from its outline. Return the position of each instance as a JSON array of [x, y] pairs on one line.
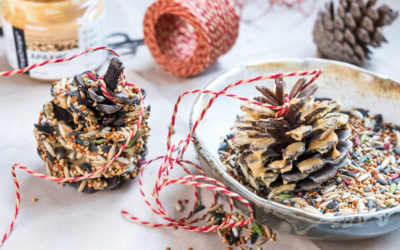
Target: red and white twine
[[172, 158], [185, 37], [298, 4], [79, 178]]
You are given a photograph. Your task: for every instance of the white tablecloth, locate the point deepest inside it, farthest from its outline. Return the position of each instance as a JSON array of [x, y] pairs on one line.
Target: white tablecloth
[[65, 219]]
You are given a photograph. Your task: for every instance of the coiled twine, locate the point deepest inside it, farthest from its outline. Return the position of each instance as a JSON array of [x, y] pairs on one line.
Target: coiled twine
[[187, 36]]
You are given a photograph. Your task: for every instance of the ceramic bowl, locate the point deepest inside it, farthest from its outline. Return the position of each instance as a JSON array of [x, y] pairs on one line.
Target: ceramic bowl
[[353, 87]]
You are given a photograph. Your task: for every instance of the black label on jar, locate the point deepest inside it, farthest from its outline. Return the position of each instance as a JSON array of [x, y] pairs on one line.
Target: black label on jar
[[20, 46]]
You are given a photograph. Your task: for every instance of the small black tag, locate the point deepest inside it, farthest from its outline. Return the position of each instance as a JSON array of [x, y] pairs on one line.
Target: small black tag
[[20, 46]]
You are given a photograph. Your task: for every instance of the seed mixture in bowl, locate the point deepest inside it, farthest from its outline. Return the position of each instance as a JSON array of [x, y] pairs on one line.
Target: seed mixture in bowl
[[80, 130], [365, 179]]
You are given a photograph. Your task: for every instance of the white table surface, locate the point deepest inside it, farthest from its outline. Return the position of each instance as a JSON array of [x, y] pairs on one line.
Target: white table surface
[[65, 219]]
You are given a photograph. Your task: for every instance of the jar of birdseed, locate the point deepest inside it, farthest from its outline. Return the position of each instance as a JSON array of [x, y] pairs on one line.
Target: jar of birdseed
[[38, 30]]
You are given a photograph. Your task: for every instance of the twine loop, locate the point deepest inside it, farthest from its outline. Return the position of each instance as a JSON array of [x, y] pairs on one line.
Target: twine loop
[[121, 81], [172, 158]]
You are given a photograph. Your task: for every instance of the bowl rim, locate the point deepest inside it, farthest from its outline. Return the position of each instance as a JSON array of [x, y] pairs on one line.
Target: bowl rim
[[270, 204]]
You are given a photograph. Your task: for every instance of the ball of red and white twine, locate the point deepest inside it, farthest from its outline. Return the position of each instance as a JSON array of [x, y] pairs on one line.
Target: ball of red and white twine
[[185, 37], [169, 160]]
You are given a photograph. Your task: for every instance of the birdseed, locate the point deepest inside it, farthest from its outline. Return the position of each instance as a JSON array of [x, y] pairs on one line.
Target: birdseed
[[178, 207], [79, 131], [369, 182], [255, 234]]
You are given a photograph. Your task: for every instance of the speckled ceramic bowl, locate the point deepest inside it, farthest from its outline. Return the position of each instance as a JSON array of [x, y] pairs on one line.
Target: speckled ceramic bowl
[[353, 87]]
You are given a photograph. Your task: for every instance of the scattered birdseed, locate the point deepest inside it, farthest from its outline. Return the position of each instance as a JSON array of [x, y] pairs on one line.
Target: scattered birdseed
[[253, 237], [268, 232], [257, 229], [369, 182], [214, 208], [234, 236], [261, 241], [178, 207], [198, 208]]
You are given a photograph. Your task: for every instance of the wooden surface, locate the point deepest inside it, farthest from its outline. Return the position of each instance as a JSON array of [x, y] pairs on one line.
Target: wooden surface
[[65, 219]]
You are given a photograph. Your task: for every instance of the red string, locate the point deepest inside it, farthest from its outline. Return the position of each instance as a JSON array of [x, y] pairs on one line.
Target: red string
[[172, 158], [122, 81], [169, 162], [271, 3]]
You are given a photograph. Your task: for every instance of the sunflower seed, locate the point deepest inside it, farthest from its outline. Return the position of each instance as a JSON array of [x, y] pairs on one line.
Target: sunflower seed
[[95, 97], [48, 169], [111, 153], [79, 170], [212, 222], [253, 237], [66, 172], [198, 208], [123, 160], [109, 109], [219, 233], [235, 231], [215, 207], [208, 217], [360, 206], [261, 241], [364, 176], [267, 231], [178, 207], [82, 186]]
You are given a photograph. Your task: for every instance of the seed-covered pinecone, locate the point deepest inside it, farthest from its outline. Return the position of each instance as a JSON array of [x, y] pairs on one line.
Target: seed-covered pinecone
[[298, 150], [345, 33], [80, 130]]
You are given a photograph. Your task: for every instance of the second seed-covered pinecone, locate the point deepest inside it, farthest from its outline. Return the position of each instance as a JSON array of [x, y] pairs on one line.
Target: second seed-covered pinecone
[[345, 33], [296, 151]]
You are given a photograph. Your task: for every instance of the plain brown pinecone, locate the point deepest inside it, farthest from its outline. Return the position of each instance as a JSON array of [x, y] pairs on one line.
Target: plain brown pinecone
[[297, 151], [345, 33]]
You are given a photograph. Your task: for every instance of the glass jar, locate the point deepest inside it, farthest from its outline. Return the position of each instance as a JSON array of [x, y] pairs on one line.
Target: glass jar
[[37, 30]]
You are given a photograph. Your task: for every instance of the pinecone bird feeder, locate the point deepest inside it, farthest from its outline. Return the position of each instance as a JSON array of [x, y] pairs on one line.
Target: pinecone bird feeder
[[80, 130], [345, 33], [298, 150]]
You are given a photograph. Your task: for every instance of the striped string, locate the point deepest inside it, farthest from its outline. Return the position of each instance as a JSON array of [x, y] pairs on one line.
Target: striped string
[[172, 158], [201, 181], [271, 3], [52, 61], [79, 178]]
